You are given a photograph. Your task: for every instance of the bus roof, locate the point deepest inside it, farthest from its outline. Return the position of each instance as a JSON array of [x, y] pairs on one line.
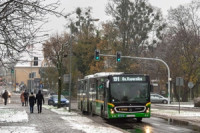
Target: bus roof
[[89, 76], [102, 74]]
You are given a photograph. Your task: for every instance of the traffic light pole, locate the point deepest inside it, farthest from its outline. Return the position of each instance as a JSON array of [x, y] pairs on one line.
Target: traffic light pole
[[154, 59]]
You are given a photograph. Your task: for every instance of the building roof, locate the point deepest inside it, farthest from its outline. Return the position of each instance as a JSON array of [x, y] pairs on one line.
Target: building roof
[[26, 58]]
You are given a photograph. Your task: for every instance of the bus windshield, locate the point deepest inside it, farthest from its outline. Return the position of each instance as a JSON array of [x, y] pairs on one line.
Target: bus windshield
[[129, 92]]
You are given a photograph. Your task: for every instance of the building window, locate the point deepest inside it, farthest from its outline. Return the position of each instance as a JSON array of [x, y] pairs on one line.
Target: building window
[[35, 61]]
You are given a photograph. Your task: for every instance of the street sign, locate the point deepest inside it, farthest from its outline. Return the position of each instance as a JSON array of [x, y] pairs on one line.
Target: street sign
[[190, 85], [179, 81], [66, 78]]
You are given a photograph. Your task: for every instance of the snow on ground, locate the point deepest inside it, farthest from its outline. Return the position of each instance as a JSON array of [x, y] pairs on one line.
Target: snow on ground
[[82, 123], [17, 129], [190, 105], [176, 113], [11, 115]]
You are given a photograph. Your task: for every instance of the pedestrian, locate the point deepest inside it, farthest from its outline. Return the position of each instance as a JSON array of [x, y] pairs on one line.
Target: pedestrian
[[26, 95], [32, 101], [22, 98], [39, 99], [5, 96]]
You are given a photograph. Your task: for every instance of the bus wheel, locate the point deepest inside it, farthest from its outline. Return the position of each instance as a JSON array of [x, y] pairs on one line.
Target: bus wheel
[[139, 119]]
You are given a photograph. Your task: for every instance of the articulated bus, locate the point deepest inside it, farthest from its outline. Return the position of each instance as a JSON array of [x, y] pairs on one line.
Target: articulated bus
[[113, 95]]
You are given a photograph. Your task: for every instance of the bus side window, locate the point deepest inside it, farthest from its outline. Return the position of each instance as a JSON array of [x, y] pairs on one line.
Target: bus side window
[[101, 91]]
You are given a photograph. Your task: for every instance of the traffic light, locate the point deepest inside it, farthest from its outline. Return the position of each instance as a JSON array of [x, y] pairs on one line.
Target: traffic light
[[97, 57], [118, 56], [12, 70]]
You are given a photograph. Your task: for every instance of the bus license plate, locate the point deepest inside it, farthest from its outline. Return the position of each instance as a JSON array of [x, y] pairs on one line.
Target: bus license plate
[[130, 115]]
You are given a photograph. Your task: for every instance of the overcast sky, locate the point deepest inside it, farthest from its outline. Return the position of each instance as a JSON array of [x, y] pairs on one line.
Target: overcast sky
[[56, 25]]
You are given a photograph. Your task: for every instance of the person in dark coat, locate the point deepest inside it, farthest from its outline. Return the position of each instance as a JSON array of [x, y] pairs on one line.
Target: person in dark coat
[[26, 95], [5, 96], [32, 101], [39, 99]]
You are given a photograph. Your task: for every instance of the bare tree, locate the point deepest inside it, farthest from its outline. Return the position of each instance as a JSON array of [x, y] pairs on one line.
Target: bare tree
[[182, 43], [55, 51], [20, 23]]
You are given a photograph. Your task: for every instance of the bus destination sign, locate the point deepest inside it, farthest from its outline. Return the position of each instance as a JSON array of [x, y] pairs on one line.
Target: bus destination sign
[[128, 78]]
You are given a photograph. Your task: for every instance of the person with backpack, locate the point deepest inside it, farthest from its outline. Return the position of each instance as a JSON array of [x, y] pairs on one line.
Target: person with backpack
[[32, 101], [39, 99]]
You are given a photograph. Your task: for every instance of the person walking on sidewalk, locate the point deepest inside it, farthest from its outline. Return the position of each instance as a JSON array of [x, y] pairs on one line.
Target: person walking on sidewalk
[[22, 98], [5, 96], [39, 99], [32, 101], [26, 95]]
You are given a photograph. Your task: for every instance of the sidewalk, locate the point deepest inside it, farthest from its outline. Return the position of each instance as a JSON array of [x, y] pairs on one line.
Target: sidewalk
[[188, 112]]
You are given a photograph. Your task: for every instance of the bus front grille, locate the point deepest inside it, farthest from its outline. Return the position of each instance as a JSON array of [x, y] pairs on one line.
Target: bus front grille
[[130, 109]]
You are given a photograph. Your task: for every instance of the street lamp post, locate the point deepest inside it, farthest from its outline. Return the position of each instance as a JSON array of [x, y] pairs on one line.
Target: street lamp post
[[70, 79]]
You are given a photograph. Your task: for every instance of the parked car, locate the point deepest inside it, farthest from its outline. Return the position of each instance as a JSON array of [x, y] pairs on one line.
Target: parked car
[[156, 98], [53, 100]]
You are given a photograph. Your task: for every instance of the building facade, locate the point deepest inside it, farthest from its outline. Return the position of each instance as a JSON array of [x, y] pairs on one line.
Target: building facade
[[26, 71]]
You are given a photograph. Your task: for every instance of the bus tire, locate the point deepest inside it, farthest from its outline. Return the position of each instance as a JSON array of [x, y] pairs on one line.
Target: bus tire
[[139, 119]]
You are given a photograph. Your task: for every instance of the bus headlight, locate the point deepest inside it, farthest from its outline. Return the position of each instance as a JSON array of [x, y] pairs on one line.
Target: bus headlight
[[112, 111]]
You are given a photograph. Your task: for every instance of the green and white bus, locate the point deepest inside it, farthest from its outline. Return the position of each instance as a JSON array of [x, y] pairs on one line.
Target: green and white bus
[[114, 95]]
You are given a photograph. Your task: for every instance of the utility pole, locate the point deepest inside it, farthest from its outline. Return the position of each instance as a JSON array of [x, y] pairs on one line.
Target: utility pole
[[70, 74]]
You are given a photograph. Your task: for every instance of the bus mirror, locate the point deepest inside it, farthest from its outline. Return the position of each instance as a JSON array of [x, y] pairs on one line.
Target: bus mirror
[[107, 84]]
